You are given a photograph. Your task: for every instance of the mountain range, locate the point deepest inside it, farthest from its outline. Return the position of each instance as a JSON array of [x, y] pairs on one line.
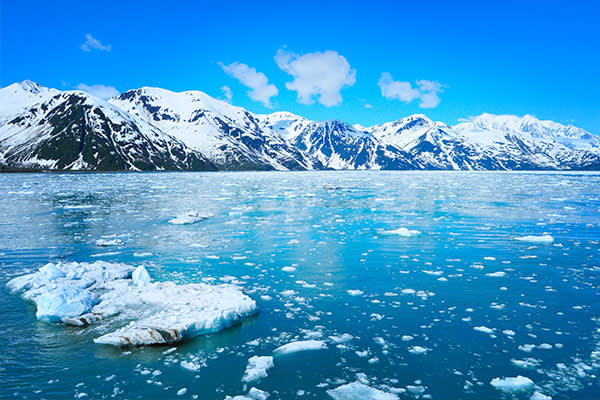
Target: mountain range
[[157, 129]]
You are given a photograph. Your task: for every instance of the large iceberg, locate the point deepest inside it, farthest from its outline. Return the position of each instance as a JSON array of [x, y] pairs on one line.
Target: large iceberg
[[150, 312]]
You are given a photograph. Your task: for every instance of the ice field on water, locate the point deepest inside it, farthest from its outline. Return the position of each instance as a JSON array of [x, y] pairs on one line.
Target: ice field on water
[[317, 285]]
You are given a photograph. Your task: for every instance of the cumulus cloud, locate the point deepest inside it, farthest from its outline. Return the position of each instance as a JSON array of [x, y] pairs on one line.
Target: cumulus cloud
[[104, 92], [319, 74], [91, 43], [427, 92], [260, 88], [227, 93]]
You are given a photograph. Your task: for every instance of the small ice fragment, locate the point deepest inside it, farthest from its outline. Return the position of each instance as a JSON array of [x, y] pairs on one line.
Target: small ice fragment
[[536, 239], [343, 338], [257, 368], [484, 329], [181, 391], [404, 232], [140, 276], [512, 384], [539, 396], [190, 217], [418, 350], [359, 391], [497, 274], [355, 292], [302, 345]]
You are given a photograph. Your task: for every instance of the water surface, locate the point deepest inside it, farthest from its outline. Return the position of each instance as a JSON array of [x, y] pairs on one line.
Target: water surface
[[346, 276]]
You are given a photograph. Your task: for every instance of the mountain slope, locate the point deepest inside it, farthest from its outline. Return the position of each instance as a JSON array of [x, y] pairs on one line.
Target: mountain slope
[[229, 136], [76, 131]]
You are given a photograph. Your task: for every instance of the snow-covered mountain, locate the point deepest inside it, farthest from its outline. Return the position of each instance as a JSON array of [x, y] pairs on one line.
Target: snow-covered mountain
[[156, 129], [231, 137], [44, 128]]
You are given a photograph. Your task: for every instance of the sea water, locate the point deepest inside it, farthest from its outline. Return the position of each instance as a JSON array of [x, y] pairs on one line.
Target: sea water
[[412, 283]]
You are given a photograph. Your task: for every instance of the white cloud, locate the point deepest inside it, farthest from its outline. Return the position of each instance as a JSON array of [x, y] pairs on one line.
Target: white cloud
[[227, 93], [260, 88], [424, 91], [91, 43], [321, 74], [104, 92]]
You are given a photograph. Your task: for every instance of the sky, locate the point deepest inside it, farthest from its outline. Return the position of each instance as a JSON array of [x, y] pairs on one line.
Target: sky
[[360, 62]]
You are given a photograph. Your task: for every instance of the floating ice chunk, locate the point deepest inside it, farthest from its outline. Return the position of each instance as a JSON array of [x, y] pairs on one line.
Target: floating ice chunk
[[355, 292], [288, 269], [343, 338], [484, 329], [257, 394], [64, 302], [497, 274], [181, 391], [140, 276], [512, 384], [539, 396], [406, 338], [166, 313], [253, 394], [536, 239], [190, 217], [359, 391], [418, 350], [527, 347], [108, 242], [257, 368], [404, 232], [190, 365], [526, 363], [302, 345]]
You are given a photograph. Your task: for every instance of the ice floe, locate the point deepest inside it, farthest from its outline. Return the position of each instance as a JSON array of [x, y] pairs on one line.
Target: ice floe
[[404, 232], [189, 217], [257, 368], [512, 384], [303, 345], [536, 239], [152, 312], [359, 391]]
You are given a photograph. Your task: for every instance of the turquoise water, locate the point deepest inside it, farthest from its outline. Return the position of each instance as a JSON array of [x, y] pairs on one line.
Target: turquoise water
[[329, 227]]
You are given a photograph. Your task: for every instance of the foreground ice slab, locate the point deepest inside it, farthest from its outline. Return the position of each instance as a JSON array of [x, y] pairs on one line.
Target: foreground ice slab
[[153, 312], [359, 391]]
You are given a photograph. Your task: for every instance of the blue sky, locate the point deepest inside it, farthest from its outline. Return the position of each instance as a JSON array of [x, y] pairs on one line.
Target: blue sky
[[363, 62]]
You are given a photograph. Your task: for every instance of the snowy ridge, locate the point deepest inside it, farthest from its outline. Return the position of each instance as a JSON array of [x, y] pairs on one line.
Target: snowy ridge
[[157, 129]]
